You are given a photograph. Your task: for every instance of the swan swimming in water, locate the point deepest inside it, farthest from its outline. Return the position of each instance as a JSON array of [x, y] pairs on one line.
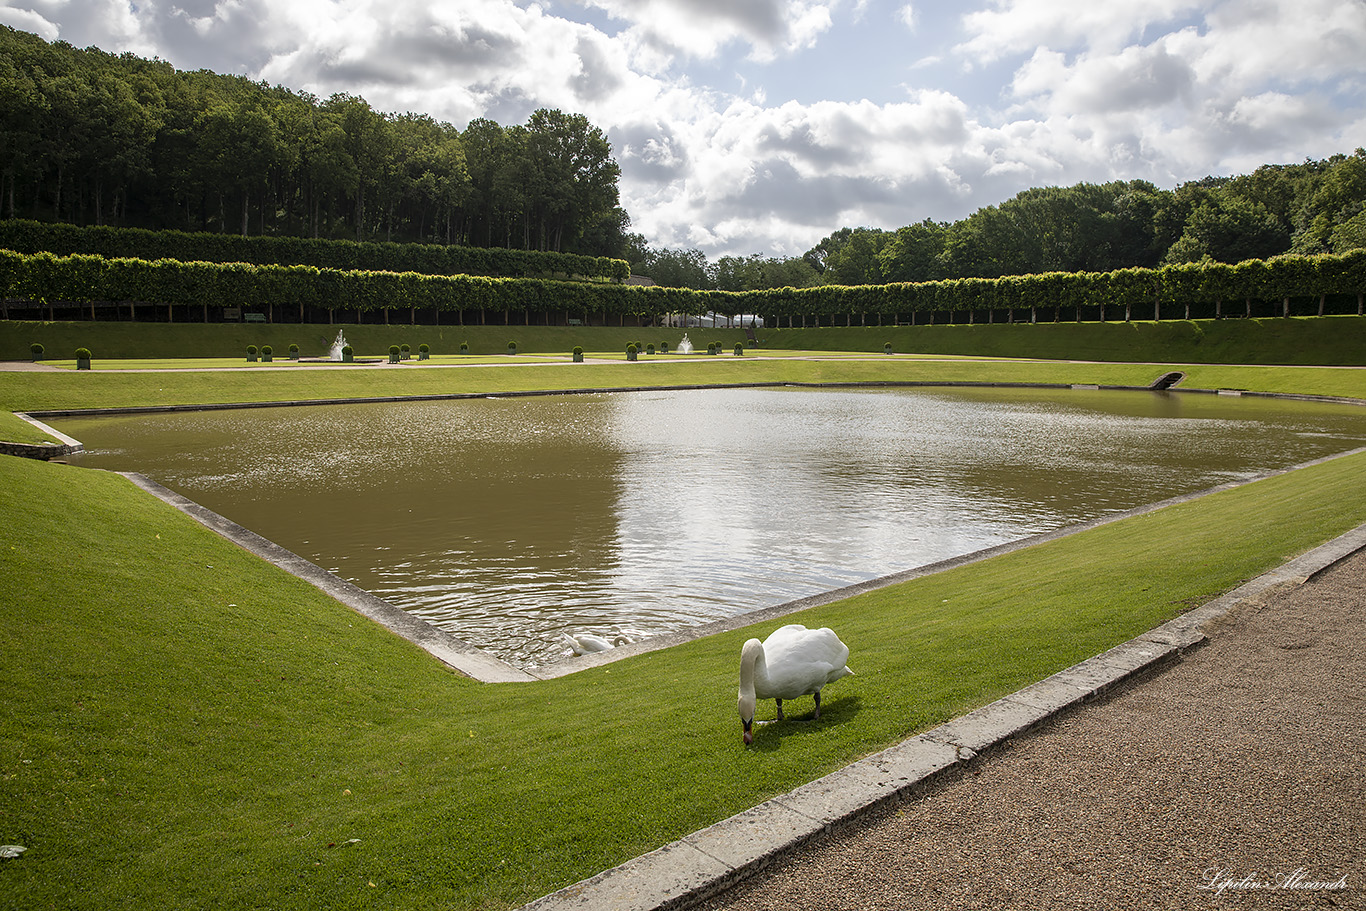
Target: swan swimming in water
[[584, 643], [793, 661]]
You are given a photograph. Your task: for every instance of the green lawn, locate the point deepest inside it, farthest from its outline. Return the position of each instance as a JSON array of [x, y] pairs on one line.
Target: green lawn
[[107, 388], [186, 726]]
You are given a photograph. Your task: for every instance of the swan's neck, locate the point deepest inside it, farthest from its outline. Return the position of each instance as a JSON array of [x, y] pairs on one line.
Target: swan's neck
[[753, 670]]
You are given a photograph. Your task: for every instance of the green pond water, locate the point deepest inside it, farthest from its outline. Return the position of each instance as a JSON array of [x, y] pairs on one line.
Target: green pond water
[[510, 520]]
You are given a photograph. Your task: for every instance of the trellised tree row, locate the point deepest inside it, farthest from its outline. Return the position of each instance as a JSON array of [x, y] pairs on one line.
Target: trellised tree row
[[1168, 292], [284, 290], [25, 236]]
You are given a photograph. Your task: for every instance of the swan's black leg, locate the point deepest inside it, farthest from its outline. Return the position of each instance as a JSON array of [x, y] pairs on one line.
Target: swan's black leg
[[818, 703], [780, 709]]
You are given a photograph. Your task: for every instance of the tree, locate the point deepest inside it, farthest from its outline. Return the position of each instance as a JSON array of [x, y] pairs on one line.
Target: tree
[[915, 253], [575, 174], [1229, 229], [679, 269]]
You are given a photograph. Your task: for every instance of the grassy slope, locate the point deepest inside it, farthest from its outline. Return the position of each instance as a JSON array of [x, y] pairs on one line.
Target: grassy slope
[[196, 745], [1339, 340], [128, 339]]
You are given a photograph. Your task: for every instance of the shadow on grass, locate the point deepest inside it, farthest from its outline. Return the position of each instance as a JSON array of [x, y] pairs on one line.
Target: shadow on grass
[[769, 734]]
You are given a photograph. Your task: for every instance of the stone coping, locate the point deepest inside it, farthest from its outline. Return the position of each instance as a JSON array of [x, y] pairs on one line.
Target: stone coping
[[45, 451], [710, 860]]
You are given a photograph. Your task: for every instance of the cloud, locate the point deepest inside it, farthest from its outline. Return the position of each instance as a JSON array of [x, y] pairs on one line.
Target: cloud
[[1136, 78], [1020, 26], [26, 20], [661, 29]]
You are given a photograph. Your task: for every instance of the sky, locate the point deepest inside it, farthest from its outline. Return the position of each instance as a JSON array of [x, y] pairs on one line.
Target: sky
[[761, 126]]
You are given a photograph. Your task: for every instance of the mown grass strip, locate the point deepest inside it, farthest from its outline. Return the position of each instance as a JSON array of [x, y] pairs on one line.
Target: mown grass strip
[[185, 725], [99, 389]]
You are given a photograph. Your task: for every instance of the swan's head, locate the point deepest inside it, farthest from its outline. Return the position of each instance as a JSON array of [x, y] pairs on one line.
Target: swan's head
[[750, 655]]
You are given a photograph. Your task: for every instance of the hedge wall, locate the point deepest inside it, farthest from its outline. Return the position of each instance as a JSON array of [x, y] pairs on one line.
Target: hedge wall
[[1125, 294], [431, 259]]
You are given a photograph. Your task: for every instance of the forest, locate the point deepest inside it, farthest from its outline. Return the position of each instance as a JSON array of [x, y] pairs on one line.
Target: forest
[[1306, 209], [93, 138]]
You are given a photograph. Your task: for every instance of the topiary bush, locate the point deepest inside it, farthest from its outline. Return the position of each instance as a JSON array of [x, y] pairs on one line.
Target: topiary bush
[[293, 352], [739, 349], [82, 358], [394, 352], [251, 353], [348, 354], [267, 353], [578, 354], [512, 347], [464, 347], [405, 352], [423, 352], [631, 351], [36, 350]]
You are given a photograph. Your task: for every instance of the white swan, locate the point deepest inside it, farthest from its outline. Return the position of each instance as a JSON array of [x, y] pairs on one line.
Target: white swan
[[793, 661], [584, 643]]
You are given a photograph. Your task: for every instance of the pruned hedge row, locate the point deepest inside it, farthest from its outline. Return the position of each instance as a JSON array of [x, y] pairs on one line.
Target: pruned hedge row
[[430, 259], [1133, 293], [43, 277], [1141, 293]]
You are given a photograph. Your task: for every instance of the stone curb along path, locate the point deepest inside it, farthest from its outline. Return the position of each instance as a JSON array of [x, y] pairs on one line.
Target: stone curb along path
[[706, 862]]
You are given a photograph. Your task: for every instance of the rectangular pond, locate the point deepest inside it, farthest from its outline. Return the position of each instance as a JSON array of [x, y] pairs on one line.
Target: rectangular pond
[[509, 520]]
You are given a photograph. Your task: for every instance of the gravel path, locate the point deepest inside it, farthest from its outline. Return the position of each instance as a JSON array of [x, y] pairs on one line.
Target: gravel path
[[1242, 767]]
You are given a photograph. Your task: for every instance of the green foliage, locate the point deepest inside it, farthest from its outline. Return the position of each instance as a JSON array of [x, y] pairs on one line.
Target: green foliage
[[225, 155], [36, 350], [84, 278], [343, 255], [83, 354]]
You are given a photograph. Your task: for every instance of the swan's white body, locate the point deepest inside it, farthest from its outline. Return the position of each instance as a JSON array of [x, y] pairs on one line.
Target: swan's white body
[[793, 661], [584, 643]]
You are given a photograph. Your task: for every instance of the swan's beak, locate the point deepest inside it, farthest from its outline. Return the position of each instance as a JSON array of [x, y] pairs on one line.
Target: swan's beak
[[749, 734]]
